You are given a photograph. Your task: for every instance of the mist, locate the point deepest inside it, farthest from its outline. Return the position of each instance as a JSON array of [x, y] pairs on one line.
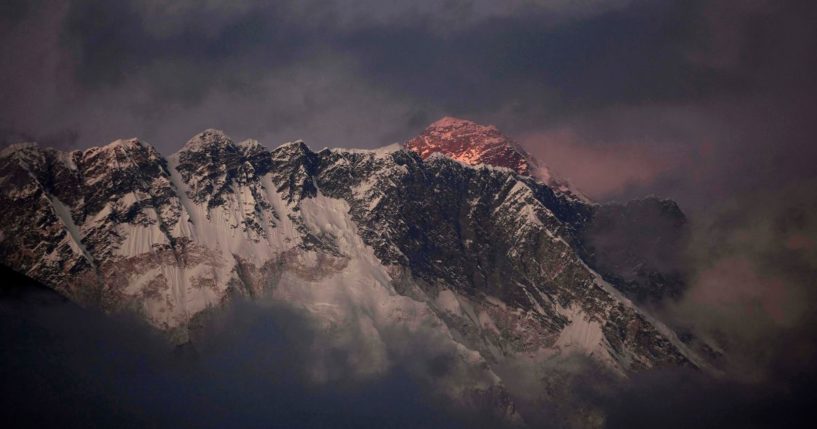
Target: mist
[[68, 366]]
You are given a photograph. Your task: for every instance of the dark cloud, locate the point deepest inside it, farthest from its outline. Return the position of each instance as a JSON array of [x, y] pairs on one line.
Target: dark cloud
[[747, 128], [184, 51], [624, 55], [751, 295], [359, 73], [12, 11], [679, 399]]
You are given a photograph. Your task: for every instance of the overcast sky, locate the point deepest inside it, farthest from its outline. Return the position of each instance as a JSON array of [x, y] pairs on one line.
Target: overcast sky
[[694, 100]]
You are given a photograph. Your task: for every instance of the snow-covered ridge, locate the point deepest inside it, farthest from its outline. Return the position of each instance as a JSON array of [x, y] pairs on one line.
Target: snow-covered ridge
[[206, 138], [17, 147], [452, 122], [384, 150]]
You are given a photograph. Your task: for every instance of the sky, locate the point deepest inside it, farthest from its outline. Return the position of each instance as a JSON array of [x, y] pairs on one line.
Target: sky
[[693, 100]]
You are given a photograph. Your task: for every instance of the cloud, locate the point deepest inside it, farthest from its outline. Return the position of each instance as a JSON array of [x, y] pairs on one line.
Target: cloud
[[64, 365], [682, 399], [138, 67], [597, 170], [751, 289]]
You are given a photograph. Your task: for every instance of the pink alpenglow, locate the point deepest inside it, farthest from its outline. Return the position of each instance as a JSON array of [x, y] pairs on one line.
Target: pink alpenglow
[[474, 144]]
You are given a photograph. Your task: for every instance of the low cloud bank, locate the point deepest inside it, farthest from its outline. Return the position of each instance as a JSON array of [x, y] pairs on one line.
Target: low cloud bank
[[62, 365]]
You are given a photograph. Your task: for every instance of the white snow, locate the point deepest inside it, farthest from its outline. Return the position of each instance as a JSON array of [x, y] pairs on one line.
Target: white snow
[[377, 152], [485, 322], [582, 334], [354, 301], [447, 301], [449, 121], [250, 144], [205, 138], [139, 239], [67, 159], [63, 212], [16, 147]]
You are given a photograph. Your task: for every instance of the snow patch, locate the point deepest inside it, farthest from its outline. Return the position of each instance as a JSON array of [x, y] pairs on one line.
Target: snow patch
[[447, 301], [139, 239], [377, 152], [63, 212], [15, 148], [582, 334]]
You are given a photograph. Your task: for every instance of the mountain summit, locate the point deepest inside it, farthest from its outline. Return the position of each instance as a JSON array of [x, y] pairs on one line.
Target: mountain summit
[[472, 144]]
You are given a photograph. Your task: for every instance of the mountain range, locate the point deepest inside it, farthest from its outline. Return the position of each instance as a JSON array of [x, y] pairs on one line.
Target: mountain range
[[457, 236]]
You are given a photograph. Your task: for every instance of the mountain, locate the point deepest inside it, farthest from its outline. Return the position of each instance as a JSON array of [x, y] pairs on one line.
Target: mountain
[[491, 267], [475, 144], [634, 244], [472, 144]]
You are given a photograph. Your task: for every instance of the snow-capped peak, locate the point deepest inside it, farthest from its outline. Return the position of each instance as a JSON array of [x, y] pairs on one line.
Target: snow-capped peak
[[473, 144], [450, 121], [297, 144], [380, 151], [124, 143], [17, 147], [290, 149], [250, 144], [207, 138]]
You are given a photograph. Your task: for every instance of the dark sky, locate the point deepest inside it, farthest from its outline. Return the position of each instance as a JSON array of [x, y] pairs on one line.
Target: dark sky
[[695, 100]]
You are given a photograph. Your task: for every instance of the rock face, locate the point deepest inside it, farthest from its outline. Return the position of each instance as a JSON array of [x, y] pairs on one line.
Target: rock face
[[488, 264]]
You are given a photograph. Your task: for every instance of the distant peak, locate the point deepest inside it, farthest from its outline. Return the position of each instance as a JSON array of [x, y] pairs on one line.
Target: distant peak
[[251, 143], [207, 138], [17, 147], [130, 144], [449, 121], [298, 144], [472, 144], [213, 131], [380, 151], [123, 143], [288, 149], [452, 123], [251, 146]]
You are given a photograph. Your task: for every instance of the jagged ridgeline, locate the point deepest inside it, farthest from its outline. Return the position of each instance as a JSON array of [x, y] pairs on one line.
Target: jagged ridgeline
[[490, 261]]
